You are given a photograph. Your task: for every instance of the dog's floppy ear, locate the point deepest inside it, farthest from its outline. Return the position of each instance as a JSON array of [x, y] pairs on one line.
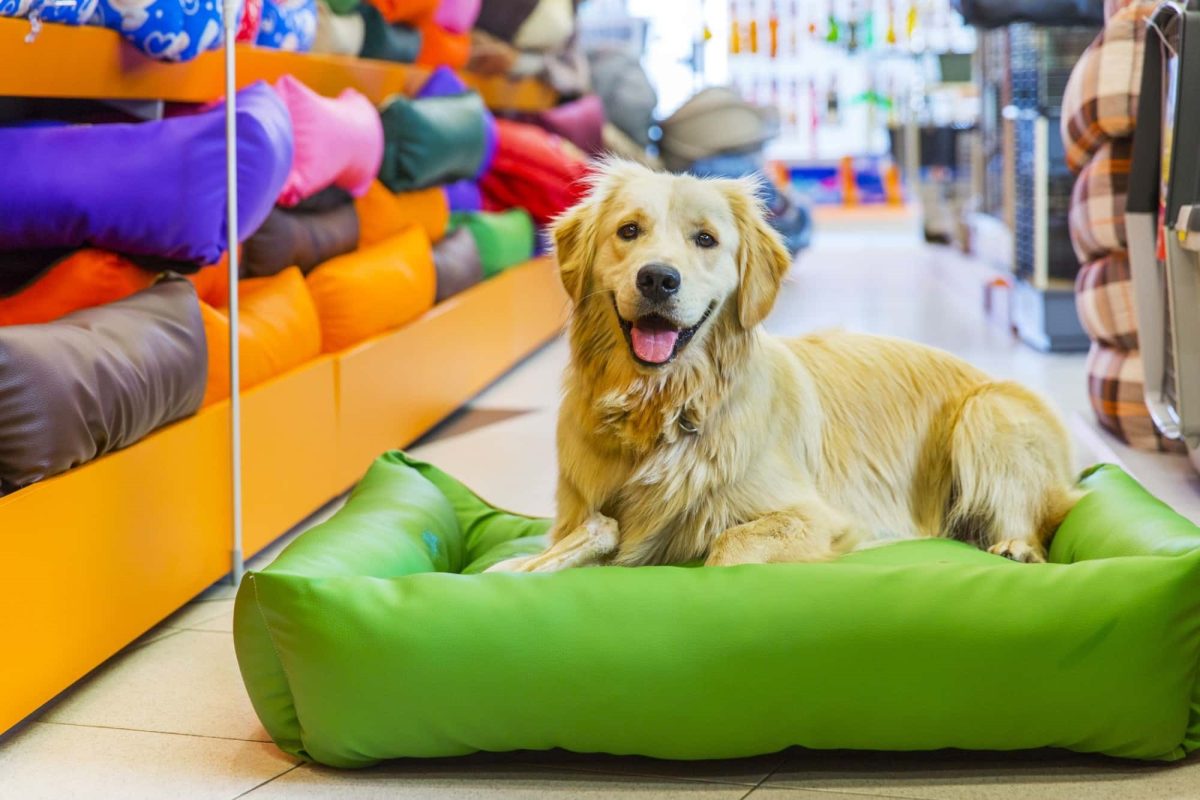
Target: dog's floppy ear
[[575, 246], [762, 258]]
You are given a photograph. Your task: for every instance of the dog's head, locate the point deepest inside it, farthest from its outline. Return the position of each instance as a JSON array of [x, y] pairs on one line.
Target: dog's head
[[667, 254]]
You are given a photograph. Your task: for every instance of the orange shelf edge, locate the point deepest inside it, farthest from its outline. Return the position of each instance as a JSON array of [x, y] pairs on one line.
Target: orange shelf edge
[[95, 557], [88, 62], [289, 449]]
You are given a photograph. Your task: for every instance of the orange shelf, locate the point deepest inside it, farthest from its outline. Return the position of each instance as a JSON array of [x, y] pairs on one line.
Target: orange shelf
[[87, 62], [289, 451], [93, 558]]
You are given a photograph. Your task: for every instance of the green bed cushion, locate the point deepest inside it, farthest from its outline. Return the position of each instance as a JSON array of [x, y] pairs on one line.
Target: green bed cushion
[[360, 643], [431, 140], [387, 42], [504, 238]]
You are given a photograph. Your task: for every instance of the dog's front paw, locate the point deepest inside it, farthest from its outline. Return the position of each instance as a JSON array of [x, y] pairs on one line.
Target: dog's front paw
[[1018, 550], [518, 564]]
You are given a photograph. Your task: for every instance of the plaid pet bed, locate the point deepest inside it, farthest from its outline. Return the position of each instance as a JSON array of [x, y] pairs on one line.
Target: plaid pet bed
[[1097, 217], [1111, 7], [1115, 388], [1100, 101], [1104, 301]]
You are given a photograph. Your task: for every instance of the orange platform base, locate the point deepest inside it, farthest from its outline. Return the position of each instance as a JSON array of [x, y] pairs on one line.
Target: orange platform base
[[91, 559]]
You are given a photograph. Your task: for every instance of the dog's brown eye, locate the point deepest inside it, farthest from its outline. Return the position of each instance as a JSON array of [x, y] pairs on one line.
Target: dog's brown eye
[[629, 231], [705, 239]]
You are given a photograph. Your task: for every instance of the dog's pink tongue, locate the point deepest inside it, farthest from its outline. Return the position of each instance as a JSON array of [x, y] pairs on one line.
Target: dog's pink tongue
[[653, 345]]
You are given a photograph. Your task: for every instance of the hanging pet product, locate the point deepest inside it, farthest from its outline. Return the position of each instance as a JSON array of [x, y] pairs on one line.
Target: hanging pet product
[[1163, 225]]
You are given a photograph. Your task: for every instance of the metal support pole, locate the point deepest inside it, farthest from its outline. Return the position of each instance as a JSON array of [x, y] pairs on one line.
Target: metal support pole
[[235, 393]]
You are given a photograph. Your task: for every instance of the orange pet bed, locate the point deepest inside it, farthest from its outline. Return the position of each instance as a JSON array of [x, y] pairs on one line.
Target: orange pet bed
[[382, 214], [84, 279], [279, 332], [376, 289], [440, 47]]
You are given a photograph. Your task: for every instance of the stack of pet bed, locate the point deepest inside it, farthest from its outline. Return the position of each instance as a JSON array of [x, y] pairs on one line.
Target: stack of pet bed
[[99, 345], [180, 30], [532, 169], [629, 100], [1099, 113], [425, 32], [718, 133], [345, 216], [530, 38]]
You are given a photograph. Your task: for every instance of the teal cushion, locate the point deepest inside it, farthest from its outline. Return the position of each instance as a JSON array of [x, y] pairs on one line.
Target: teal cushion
[[431, 140], [361, 642], [504, 238], [386, 42]]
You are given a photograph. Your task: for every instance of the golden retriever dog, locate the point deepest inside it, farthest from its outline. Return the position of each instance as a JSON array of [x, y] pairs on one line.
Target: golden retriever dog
[[687, 432]]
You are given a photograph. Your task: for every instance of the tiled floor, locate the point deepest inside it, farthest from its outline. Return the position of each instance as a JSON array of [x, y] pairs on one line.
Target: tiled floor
[[168, 718]]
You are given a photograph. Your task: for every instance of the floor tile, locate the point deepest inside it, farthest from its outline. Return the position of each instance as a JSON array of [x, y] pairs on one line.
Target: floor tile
[[66, 761], [187, 683], [956, 775], [193, 615], [744, 771], [535, 383], [466, 420], [426, 781], [510, 463], [221, 590], [222, 623], [788, 793]]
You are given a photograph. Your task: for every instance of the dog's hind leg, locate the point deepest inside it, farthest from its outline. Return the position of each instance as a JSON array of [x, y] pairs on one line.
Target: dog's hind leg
[[591, 544], [812, 531], [1011, 481]]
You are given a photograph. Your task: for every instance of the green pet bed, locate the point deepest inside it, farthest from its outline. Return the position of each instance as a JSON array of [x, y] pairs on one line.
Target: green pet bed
[[372, 636], [504, 238]]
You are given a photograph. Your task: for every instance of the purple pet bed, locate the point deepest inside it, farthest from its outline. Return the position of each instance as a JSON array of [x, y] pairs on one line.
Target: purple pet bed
[[580, 122], [464, 196], [149, 188], [444, 82]]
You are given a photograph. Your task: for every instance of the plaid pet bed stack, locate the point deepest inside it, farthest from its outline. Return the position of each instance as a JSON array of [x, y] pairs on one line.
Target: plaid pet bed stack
[[1098, 118], [1097, 214], [1100, 101], [1115, 390], [1104, 301]]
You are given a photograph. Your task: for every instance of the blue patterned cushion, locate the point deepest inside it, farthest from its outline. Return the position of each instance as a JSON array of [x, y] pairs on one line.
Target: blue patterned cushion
[[169, 30], [288, 25], [66, 12]]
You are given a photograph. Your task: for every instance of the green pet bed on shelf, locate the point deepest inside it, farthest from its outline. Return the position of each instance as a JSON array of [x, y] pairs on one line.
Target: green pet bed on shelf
[[372, 636]]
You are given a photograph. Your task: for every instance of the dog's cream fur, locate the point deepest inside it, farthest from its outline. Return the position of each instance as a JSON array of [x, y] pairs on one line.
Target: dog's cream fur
[[750, 449]]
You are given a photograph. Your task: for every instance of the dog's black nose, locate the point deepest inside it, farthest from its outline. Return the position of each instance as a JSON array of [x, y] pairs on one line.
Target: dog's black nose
[[657, 282]]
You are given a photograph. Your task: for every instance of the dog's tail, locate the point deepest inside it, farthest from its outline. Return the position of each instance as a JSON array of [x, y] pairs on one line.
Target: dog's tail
[[1011, 471]]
